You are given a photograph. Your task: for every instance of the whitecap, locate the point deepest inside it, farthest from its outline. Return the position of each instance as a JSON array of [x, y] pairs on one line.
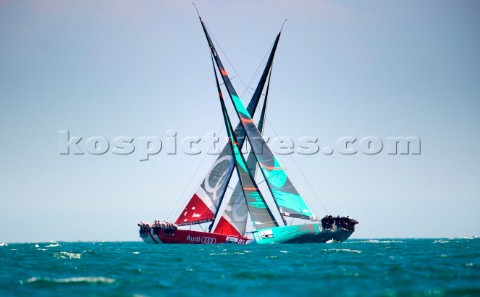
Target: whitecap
[[469, 237], [84, 279], [382, 241], [218, 254], [3, 244], [343, 250], [377, 241], [67, 255], [53, 245], [353, 241], [136, 253], [390, 241]]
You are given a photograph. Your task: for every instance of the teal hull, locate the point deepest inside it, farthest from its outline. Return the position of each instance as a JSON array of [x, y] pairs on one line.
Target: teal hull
[[308, 233]]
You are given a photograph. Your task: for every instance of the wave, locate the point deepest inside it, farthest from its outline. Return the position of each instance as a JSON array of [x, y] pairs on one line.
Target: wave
[[441, 241], [53, 245], [67, 255], [84, 279], [376, 241], [343, 250], [3, 244]]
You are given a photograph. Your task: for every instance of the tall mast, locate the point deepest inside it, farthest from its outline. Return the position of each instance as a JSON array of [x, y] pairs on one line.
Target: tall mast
[[234, 219], [261, 215]]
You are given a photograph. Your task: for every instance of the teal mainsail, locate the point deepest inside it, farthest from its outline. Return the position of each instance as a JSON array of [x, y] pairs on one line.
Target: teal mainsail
[[234, 219], [289, 201], [236, 210], [260, 214]]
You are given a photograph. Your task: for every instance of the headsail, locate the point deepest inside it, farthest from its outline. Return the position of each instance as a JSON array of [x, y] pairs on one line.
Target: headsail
[[261, 215], [288, 199], [204, 204]]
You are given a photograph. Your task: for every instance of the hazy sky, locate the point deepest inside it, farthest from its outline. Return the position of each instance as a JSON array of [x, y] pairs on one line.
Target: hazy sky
[[139, 68]]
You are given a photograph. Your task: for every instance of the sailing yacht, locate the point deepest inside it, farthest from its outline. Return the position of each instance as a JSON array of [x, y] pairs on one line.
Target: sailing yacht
[[247, 200]]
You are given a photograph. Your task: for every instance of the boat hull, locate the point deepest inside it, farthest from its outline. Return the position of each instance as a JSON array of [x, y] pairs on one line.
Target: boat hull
[[307, 233], [159, 236]]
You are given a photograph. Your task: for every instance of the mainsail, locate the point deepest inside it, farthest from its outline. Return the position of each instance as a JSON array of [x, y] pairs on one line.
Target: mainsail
[[286, 196], [234, 219], [260, 214], [204, 203]]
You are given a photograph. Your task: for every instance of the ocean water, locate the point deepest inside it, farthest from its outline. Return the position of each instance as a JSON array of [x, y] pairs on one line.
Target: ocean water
[[383, 267]]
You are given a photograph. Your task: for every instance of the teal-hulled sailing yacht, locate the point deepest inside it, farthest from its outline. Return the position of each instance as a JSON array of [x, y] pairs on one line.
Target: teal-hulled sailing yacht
[[288, 202]]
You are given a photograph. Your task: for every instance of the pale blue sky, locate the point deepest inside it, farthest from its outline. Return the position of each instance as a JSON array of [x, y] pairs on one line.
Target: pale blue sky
[[139, 68]]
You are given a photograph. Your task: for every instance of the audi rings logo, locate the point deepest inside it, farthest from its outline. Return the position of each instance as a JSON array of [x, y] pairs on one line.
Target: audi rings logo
[[209, 240]]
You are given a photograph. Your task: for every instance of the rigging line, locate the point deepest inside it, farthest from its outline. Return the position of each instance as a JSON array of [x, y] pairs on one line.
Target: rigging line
[[183, 198], [229, 79], [294, 162], [263, 94], [223, 52], [268, 178], [186, 188], [221, 133], [301, 172], [233, 67], [281, 29], [265, 118], [258, 69], [174, 209], [197, 10], [266, 54]]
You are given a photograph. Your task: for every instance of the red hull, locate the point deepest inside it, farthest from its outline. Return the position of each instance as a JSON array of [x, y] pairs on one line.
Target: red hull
[[191, 237]]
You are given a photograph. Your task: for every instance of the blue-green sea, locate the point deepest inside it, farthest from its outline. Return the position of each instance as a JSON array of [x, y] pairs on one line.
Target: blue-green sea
[[381, 267]]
